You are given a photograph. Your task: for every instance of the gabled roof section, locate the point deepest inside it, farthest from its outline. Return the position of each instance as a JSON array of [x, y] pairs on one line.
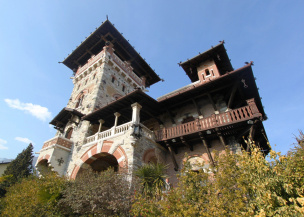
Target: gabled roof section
[[64, 116], [244, 73], [123, 49], [217, 53]]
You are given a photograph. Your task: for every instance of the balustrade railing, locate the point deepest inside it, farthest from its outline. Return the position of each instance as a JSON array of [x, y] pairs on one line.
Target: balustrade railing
[[146, 132], [216, 120], [109, 133], [118, 130]]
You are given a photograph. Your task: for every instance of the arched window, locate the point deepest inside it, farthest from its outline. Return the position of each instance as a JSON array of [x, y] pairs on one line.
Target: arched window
[[79, 101], [149, 157], [207, 72], [69, 132]]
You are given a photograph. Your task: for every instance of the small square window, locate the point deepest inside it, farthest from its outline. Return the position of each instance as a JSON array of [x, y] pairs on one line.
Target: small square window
[[207, 72]]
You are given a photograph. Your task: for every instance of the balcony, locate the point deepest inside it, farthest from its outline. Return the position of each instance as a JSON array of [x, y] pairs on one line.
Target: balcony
[[117, 131], [216, 120], [58, 140]]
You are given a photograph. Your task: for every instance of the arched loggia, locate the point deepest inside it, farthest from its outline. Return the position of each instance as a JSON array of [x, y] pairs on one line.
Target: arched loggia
[[101, 157]]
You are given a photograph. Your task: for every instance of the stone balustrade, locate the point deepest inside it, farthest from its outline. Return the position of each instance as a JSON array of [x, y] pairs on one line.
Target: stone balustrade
[[117, 131]]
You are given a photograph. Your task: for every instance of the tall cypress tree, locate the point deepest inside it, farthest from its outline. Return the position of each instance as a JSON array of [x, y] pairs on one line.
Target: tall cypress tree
[[22, 166]]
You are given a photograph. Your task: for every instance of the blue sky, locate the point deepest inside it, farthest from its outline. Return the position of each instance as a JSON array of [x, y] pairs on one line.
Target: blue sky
[[36, 35]]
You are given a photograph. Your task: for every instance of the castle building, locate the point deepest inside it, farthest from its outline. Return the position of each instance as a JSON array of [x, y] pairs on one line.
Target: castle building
[[110, 121]]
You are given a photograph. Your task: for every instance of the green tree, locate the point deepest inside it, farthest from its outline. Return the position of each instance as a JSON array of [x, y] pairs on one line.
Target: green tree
[[152, 179], [244, 184], [107, 193], [34, 196], [22, 166], [19, 168]]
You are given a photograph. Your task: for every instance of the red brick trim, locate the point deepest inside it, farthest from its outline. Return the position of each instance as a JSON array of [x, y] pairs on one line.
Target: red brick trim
[[148, 154], [88, 159], [45, 157]]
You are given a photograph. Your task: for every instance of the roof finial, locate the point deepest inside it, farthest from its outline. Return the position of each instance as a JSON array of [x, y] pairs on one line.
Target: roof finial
[[107, 17]]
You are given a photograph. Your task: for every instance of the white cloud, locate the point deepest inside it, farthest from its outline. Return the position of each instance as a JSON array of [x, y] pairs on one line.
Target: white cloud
[[42, 113], [2, 144], [25, 140]]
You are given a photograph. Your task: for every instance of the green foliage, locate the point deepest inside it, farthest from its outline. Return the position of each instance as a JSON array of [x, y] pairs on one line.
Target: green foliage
[[102, 194], [244, 184], [22, 166], [152, 178], [16, 170], [34, 196]]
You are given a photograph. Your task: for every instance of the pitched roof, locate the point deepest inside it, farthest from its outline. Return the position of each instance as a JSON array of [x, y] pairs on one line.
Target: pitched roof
[[96, 41], [217, 53]]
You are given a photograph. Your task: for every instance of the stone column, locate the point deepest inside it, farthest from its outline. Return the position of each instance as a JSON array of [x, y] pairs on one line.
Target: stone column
[[136, 113], [100, 124], [116, 118]]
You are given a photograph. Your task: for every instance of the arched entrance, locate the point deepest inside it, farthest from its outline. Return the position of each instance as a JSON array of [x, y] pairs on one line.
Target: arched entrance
[[103, 162], [101, 157], [43, 167]]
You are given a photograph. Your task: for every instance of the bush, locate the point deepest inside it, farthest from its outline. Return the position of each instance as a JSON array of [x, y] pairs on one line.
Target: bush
[[103, 194], [244, 184], [34, 196]]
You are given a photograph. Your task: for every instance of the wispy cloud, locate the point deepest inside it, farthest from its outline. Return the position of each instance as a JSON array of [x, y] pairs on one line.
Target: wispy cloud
[[25, 140], [42, 113], [2, 144]]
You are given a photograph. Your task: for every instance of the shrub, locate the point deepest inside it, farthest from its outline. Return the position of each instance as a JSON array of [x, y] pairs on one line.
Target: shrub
[[106, 193]]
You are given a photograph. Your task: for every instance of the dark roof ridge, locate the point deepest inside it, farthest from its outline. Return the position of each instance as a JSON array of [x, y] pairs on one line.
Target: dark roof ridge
[[205, 83], [200, 54]]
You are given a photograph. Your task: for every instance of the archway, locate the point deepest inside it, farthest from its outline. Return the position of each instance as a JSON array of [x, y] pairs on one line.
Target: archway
[[100, 157], [99, 162], [103, 162], [149, 157], [43, 167]]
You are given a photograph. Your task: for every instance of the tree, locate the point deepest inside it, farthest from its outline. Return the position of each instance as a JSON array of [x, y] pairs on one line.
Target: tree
[[22, 166], [244, 184], [152, 184], [34, 196], [19, 168], [152, 179], [107, 193]]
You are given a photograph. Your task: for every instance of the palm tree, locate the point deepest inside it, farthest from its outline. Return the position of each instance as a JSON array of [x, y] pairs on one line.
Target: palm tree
[[152, 179]]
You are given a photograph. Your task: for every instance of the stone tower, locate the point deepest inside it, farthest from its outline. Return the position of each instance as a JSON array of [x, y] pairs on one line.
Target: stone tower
[[105, 68]]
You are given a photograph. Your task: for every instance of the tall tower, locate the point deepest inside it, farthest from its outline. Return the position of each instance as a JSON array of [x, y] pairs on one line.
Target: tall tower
[[105, 68]]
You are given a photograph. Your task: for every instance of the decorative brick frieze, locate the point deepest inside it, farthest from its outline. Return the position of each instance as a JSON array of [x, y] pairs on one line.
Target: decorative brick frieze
[[58, 140]]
